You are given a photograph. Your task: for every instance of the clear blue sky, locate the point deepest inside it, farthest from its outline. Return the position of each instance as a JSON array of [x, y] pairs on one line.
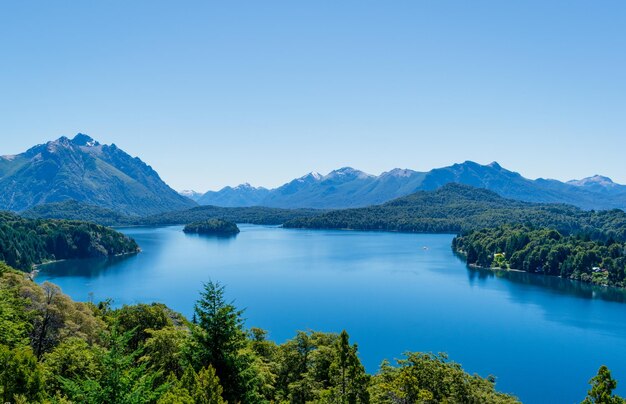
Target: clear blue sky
[[218, 93]]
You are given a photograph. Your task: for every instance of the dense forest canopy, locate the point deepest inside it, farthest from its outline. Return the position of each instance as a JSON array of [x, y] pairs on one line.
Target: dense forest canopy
[[545, 251], [252, 215], [25, 242], [80, 211], [453, 208], [457, 208], [212, 226], [55, 350], [74, 210]]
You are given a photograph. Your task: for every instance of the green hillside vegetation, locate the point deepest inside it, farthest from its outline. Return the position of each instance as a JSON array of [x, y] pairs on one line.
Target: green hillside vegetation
[[212, 226], [251, 215], [456, 208], [545, 251], [55, 350], [74, 210], [26, 242]]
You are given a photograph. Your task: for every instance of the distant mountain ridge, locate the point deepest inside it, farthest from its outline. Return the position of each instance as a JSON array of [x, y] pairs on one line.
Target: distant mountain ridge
[[84, 170], [349, 188], [455, 208], [191, 194], [241, 195]]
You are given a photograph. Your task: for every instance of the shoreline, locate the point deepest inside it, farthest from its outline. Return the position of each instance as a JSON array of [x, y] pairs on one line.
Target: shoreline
[[32, 274], [475, 266], [493, 269]]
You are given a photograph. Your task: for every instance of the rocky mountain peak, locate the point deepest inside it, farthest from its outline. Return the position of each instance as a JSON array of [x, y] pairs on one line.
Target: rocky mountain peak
[[84, 140]]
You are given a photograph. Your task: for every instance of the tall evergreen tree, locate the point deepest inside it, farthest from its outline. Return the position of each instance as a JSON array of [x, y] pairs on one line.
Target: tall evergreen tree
[[350, 378], [602, 386], [219, 336]]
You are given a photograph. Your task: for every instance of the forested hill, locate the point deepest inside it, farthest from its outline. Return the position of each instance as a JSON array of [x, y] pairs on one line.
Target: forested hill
[[545, 251], [252, 215], [25, 242], [74, 210], [456, 208]]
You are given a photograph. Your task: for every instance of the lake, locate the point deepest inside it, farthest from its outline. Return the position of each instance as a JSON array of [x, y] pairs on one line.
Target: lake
[[543, 337]]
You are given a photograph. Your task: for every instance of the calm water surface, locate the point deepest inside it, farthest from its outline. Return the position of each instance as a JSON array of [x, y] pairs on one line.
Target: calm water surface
[[542, 337]]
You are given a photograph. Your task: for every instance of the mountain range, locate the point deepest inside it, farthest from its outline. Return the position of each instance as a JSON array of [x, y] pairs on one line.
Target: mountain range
[[104, 176], [84, 170], [239, 196], [348, 188]]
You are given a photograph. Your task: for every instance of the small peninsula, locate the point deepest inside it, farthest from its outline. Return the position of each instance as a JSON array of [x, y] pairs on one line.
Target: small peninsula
[[28, 242], [546, 251], [216, 227]]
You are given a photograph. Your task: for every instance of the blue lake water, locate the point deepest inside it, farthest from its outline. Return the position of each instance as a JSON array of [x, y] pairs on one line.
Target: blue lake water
[[543, 337]]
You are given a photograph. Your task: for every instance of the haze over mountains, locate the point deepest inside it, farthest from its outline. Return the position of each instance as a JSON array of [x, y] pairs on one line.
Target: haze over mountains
[[84, 170], [348, 187]]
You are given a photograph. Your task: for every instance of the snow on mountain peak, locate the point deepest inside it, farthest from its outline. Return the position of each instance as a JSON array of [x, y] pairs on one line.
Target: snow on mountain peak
[[83, 140], [597, 180], [188, 193], [347, 172], [399, 172], [312, 176]]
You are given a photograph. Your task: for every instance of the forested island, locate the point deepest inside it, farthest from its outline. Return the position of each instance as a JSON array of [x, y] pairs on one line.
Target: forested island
[[27, 242], [216, 227], [55, 350], [545, 251]]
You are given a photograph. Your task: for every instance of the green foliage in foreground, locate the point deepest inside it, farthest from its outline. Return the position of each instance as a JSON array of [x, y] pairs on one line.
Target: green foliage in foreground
[[25, 242], [545, 251], [60, 351], [602, 386], [212, 226], [426, 378], [456, 208]]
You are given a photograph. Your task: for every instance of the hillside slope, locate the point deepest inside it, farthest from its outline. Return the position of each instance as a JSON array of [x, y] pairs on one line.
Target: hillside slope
[[84, 170], [456, 208]]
